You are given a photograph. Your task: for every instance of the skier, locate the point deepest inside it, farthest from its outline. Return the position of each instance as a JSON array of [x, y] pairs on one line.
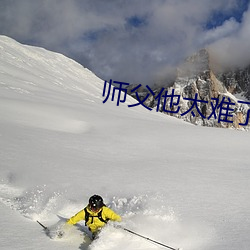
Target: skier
[[95, 214]]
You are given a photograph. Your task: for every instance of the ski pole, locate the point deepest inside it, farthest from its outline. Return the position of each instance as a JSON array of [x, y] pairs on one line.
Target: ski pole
[[45, 228], [146, 238]]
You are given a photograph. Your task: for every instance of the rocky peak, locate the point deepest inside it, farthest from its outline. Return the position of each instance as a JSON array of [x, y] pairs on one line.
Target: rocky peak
[[197, 64]]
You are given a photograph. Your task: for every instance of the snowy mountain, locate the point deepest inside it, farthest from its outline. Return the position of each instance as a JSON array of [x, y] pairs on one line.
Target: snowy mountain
[[203, 95], [183, 185]]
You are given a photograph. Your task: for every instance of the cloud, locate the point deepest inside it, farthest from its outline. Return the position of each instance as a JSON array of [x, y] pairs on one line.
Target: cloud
[[228, 28], [133, 41], [233, 49]]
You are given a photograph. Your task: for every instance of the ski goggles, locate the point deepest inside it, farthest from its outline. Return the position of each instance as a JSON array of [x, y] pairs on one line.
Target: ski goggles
[[94, 208]]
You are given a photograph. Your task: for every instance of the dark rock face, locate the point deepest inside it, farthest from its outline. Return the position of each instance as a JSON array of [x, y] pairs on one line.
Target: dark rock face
[[237, 81]]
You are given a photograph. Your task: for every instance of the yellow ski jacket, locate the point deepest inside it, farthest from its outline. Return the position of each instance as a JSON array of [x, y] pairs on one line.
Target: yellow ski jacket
[[94, 223]]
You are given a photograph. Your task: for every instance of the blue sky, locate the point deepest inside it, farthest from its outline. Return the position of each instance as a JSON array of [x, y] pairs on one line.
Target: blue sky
[[136, 41], [218, 17]]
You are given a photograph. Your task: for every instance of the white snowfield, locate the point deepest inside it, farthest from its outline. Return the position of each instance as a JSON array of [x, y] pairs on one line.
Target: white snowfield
[[182, 185]]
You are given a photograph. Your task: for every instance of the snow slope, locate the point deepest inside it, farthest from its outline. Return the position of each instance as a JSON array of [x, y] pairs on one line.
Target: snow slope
[[179, 184]]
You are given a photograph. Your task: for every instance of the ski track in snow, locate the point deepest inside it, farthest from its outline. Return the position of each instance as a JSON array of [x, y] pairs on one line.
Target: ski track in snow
[[42, 116]]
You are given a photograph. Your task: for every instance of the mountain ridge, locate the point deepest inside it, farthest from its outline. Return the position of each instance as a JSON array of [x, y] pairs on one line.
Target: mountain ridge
[[197, 78]]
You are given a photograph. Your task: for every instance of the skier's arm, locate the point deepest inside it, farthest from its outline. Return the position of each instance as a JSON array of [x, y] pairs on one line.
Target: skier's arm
[[110, 214], [77, 217]]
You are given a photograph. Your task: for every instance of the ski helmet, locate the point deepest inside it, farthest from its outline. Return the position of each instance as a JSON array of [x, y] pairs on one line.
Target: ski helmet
[[95, 202]]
